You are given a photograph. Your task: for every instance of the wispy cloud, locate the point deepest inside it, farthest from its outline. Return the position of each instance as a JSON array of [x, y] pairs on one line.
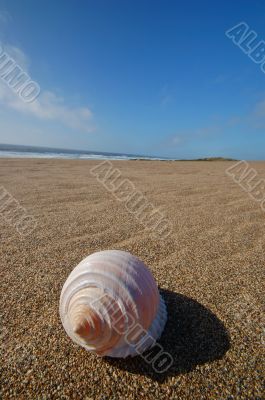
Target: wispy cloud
[[5, 17], [208, 131], [234, 121], [48, 106], [219, 79], [166, 96], [260, 109], [257, 118], [181, 138], [177, 140], [18, 55]]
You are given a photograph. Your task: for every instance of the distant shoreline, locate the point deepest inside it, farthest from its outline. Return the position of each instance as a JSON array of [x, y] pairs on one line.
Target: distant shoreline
[[21, 151]]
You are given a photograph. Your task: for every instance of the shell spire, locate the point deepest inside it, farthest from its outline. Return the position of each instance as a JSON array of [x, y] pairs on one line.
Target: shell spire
[[110, 304]]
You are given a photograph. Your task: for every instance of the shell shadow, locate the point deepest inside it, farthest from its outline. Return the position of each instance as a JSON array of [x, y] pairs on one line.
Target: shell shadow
[[193, 336]]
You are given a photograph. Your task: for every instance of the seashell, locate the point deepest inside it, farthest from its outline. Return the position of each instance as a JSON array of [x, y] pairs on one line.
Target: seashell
[[110, 305]]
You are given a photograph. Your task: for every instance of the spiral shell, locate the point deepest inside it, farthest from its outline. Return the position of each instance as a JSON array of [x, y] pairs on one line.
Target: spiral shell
[[110, 305]]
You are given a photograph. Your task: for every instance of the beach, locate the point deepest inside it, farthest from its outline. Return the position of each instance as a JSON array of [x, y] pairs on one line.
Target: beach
[[209, 269]]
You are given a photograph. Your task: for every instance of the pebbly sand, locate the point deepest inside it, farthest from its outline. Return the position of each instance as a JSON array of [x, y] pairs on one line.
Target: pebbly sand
[[210, 271]]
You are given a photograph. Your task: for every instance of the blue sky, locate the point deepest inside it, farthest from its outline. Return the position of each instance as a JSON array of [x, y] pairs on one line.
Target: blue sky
[[144, 77]]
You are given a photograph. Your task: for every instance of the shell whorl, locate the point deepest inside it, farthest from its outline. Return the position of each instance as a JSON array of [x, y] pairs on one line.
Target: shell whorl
[[105, 297]]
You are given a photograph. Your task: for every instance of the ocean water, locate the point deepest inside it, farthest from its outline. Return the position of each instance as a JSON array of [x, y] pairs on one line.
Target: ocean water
[[17, 151]]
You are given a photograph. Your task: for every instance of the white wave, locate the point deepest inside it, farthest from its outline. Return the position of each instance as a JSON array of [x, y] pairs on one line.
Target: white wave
[[75, 156]]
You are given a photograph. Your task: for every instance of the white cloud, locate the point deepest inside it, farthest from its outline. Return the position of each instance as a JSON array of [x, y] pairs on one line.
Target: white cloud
[[48, 106]]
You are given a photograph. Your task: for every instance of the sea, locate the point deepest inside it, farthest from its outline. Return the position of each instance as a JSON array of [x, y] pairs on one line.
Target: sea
[[19, 151]]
